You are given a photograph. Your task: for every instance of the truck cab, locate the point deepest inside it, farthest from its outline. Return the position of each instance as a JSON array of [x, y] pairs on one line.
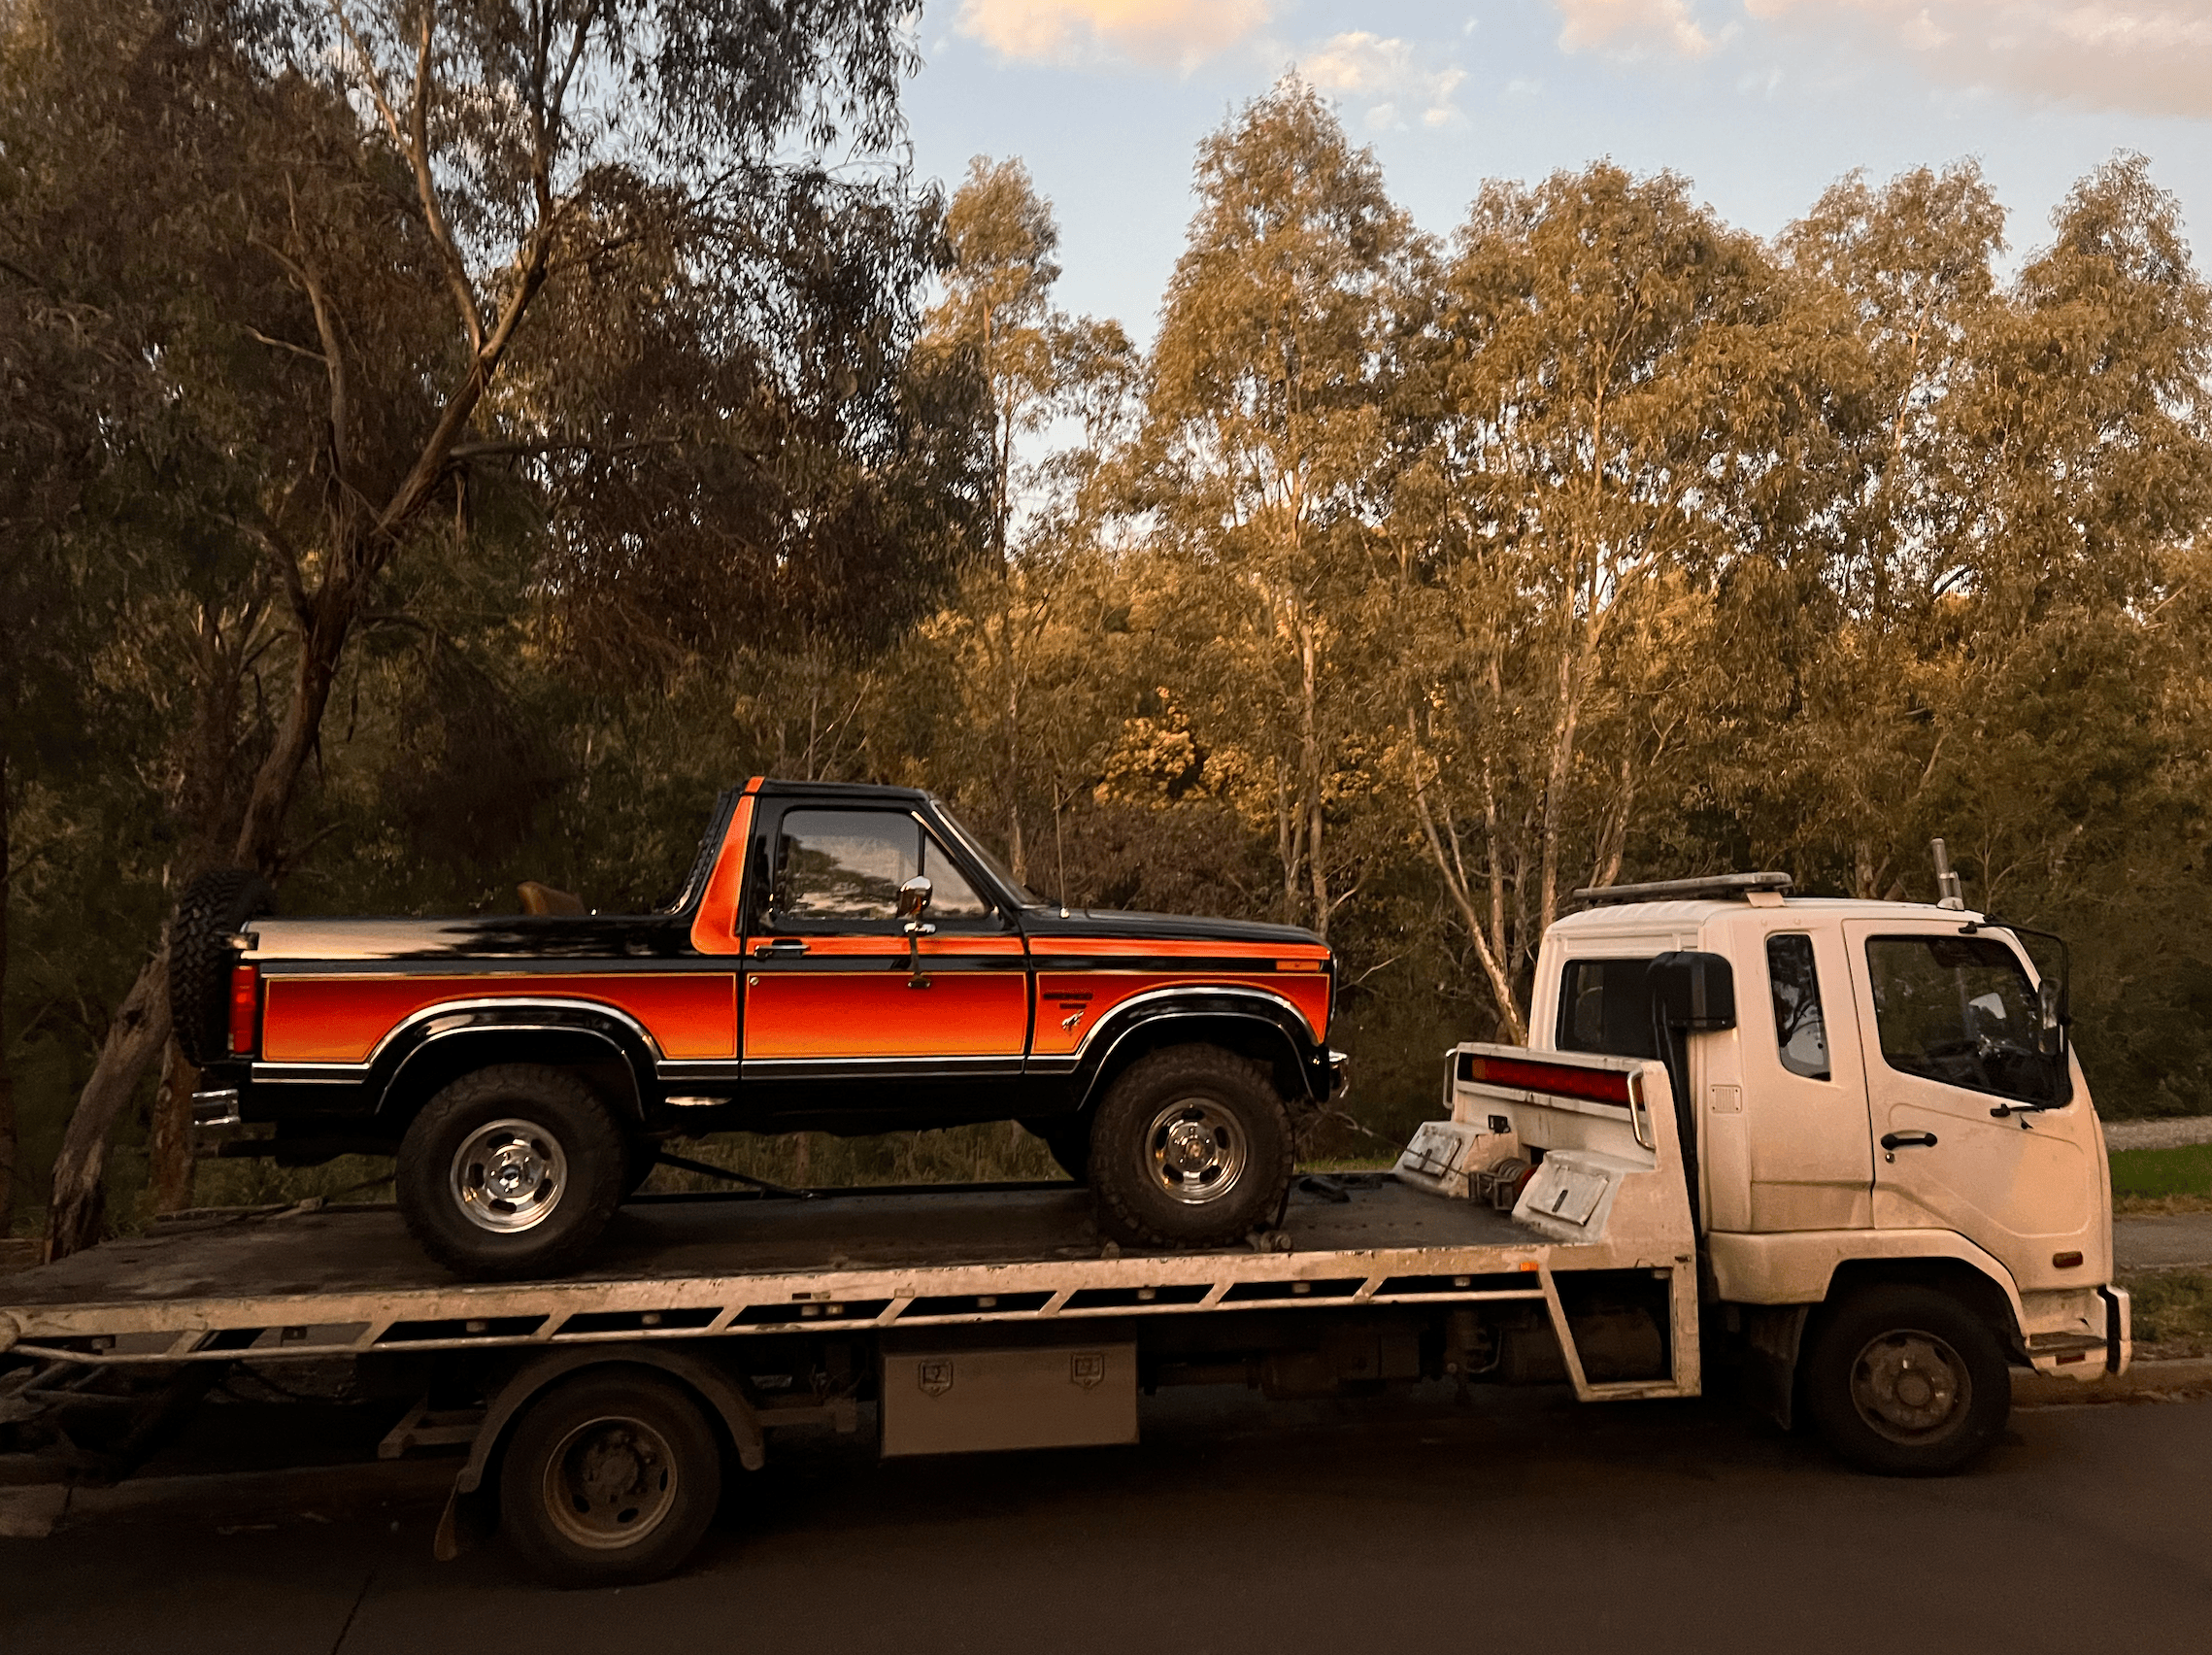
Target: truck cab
[[1867, 1093]]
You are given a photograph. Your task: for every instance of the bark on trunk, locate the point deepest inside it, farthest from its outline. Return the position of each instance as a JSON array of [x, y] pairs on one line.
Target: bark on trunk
[[134, 1040], [7, 1075], [169, 1147]]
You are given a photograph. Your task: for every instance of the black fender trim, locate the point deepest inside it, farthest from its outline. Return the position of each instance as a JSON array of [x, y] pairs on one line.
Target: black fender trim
[[441, 1032], [1142, 1022]]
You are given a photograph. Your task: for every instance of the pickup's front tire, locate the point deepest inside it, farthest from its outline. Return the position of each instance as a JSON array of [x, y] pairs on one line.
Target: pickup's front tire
[[1190, 1148], [1906, 1381], [510, 1171]]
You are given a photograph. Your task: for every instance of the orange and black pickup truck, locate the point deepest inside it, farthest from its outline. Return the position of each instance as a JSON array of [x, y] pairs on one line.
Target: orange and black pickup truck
[[841, 959]]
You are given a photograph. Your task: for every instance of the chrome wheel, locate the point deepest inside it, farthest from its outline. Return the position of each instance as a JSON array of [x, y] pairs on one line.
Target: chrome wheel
[[509, 1175], [1910, 1386], [610, 1483], [1196, 1150]]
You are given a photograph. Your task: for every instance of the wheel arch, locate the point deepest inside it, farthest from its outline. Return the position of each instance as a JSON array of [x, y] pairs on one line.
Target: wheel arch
[[603, 1048], [1253, 1025], [1957, 1277], [724, 1406]]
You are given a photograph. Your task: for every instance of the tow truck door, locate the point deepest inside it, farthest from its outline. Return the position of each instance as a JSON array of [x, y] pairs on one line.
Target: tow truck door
[[1947, 1019]]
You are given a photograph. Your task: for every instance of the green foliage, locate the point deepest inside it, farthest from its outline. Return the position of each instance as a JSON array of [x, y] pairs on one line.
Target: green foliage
[[2171, 1311]]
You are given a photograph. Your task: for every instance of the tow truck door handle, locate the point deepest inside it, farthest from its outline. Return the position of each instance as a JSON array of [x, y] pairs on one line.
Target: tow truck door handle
[[1892, 1142], [783, 947]]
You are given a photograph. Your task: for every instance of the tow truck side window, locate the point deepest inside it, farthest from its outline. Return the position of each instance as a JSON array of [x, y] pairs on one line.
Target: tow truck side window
[[1605, 1005], [847, 866], [1960, 1011], [1800, 1031]]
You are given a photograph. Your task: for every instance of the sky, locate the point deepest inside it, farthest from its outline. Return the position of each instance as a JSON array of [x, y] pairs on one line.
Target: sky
[[1760, 104]]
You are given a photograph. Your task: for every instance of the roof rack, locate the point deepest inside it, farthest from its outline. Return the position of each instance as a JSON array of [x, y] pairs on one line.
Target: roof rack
[[1718, 885]]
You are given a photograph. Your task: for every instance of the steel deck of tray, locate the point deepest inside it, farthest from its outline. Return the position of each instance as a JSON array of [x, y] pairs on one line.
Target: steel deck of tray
[[349, 1280]]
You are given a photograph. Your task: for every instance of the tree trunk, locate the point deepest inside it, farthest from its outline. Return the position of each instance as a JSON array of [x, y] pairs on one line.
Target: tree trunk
[[135, 1037], [7, 1075], [1309, 740], [169, 1146]]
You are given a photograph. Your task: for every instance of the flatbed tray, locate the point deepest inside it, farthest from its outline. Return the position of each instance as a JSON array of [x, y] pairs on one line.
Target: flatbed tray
[[294, 1283]]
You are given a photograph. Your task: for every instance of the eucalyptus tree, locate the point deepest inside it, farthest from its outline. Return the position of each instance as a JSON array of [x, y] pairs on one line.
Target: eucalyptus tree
[[1269, 445], [421, 185]]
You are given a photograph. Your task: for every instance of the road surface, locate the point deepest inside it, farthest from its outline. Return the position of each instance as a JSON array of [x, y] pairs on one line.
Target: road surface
[[1406, 1523]]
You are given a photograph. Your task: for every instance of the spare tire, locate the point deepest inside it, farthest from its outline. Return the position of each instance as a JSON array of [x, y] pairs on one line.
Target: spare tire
[[214, 907]]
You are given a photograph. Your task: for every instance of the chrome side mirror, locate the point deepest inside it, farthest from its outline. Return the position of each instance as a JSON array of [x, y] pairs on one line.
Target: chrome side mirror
[[913, 900]]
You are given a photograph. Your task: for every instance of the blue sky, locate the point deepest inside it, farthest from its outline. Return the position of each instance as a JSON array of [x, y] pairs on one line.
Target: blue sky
[[1761, 103]]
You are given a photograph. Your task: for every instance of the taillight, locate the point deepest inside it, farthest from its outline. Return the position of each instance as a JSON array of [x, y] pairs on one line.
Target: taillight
[[244, 992]]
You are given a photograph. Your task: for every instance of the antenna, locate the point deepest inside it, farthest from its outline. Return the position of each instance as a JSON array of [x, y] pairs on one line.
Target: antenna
[[1949, 891]]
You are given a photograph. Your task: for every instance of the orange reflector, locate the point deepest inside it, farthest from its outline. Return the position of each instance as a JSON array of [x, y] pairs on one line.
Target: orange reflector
[[245, 992], [1528, 1263], [2064, 1260]]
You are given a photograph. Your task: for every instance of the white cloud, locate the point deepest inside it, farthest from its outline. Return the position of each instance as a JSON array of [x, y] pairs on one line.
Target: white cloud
[[1174, 33], [1632, 26], [2147, 57], [1389, 76]]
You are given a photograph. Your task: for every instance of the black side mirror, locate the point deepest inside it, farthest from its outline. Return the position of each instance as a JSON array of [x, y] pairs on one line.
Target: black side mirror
[[1693, 992]]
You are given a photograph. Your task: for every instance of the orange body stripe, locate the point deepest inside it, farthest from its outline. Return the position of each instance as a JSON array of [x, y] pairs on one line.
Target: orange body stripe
[[1119, 948], [339, 1020], [1090, 997], [714, 929]]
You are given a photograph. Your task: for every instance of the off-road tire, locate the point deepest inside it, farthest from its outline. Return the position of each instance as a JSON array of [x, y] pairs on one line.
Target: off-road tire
[[556, 1104], [641, 1154], [212, 910], [1133, 1205], [1854, 1430], [651, 1422]]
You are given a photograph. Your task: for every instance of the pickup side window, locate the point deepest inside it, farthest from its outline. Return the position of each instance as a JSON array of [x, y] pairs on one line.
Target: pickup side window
[[1800, 1031], [1958, 1010], [840, 866], [1605, 1005]]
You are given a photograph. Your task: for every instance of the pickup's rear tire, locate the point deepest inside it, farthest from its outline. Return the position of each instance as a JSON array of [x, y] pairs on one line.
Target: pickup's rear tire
[[610, 1480], [212, 910], [510, 1171], [1906, 1381], [1190, 1148]]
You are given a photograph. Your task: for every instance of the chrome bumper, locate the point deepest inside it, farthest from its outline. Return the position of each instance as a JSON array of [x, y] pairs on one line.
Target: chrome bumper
[[216, 1121]]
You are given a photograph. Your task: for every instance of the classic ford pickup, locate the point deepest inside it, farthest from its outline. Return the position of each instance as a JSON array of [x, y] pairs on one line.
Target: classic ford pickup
[[842, 959]]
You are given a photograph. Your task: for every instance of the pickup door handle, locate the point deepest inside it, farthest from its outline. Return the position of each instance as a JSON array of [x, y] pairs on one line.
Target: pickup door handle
[[782, 947], [1908, 1140]]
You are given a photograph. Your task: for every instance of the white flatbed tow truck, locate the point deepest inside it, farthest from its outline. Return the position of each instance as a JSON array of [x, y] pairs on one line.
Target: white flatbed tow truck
[[1742, 1154]]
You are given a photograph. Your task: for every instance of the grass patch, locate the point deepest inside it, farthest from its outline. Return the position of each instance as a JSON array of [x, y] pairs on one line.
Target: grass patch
[[2162, 1180], [2172, 1312]]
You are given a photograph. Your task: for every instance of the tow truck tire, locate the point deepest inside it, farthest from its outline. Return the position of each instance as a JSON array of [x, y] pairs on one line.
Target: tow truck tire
[[1190, 1148], [212, 910], [510, 1171], [609, 1480], [1906, 1381]]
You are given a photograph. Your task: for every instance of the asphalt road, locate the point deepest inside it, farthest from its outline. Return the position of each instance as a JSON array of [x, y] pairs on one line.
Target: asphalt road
[[1237, 1525]]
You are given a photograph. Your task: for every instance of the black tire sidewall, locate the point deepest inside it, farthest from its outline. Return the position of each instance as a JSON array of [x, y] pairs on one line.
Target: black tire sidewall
[[632, 1391], [1847, 1329], [567, 1110], [214, 908], [1131, 1207]]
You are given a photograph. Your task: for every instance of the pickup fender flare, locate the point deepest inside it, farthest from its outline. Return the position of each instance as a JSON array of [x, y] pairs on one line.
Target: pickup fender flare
[[1274, 1023], [439, 1034]]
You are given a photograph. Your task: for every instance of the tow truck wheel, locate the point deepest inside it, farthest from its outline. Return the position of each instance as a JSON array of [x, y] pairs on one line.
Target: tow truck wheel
[[1190, 1148], [510, 1171], [1906, 1381], [609, 1480]]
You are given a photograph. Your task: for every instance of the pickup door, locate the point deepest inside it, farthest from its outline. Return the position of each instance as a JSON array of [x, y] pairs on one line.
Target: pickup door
[[829, 992]]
